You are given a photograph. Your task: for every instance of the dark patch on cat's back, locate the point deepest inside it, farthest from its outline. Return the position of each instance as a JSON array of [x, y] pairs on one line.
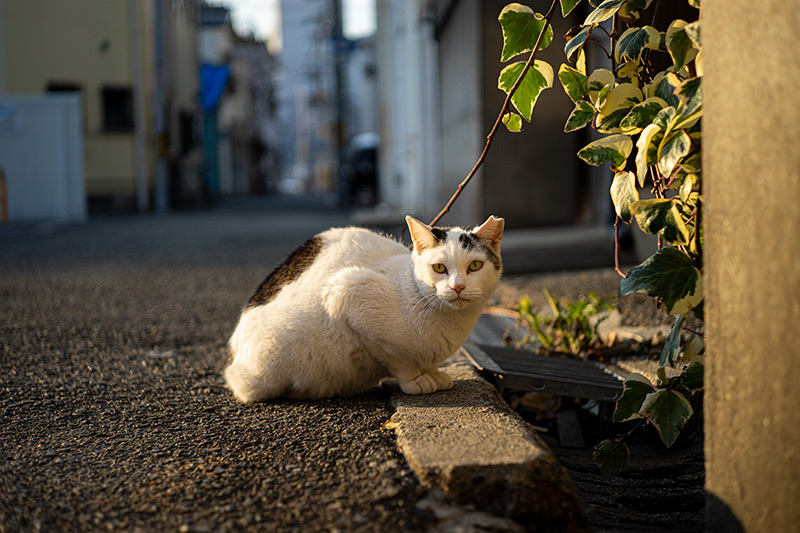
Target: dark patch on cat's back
[[288, 271]]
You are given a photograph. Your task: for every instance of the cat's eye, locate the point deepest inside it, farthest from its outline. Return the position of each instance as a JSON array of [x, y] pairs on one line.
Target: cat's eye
[[439, 268], [475, 266]]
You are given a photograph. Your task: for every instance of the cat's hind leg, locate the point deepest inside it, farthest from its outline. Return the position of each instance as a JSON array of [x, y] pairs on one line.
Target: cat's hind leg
[[249, 386]]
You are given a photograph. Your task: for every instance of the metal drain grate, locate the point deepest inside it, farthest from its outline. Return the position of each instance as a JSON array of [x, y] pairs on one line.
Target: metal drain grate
[[520, 369]]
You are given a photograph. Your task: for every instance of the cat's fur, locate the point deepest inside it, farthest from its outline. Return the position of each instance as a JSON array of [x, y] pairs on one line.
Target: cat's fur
[[350, 307]]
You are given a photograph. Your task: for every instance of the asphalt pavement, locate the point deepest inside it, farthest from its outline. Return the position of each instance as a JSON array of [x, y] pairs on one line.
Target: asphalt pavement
[[113, 413]]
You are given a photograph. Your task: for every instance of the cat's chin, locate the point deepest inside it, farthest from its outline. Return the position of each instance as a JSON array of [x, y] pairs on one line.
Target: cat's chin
[[459, 303]]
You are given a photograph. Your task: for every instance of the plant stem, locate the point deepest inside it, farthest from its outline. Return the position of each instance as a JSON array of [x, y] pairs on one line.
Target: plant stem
[[616, 248], [500, 116]]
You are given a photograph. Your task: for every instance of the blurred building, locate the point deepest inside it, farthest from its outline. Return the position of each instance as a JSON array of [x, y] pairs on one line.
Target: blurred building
[[239, 135], [133, 66], [306, 82], [438, 66]]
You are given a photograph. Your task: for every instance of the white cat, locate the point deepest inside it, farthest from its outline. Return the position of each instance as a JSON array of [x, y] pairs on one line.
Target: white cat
[[350, 307]]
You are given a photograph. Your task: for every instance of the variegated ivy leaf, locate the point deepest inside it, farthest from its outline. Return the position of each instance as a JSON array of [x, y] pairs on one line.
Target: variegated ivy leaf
[[575, 83], [614, 148], [693, 32], [567, 6], [641, 115], [691, 107], [633, 42], [695, 3], [624, 194], [647, 150], [662, 216], [664, 87], [538, 78], [673, 148], [600, 82], [621, 99], [611, 456], [679, 45], [637, 387], [630, 10], [575, 44], [692, 377], [521, 29], [580, 117], [513, 122], [604, 11], [670, 275], [665, 118], [630, 71], [672, 347], [667, 410]]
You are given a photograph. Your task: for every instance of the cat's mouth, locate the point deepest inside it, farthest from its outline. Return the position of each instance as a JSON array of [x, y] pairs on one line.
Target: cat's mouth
[[459, 301]]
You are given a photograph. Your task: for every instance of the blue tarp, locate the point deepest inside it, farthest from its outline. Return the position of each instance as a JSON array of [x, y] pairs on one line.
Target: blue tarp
[[212, 83]]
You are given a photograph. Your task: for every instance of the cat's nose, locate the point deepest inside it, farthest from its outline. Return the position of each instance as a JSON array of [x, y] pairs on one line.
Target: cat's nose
[[458, 288]]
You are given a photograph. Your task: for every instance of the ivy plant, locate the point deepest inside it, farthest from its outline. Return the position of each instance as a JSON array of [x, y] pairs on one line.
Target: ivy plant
[[647, 128]]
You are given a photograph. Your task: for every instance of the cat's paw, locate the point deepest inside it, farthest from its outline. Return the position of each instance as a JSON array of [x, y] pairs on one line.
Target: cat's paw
[[423, 384], [443, 381]]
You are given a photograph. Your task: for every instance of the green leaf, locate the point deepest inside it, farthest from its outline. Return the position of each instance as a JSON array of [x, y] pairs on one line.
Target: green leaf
[[620, 100], [695, 3], [672, 348], [693, 32], [668, 411], [665, 87], [679, 45], [637, 387], [661, 215], [630, 71], [521, 29], [513, 122], [599, 84], [664, 119], [575, 44], [641, 115], [624, 194], [538, 78], [692, 377], [574, 82], [614, 148], [647, 150], [673, 147], [580, 117], [604, 11], [670, 275], [567, 6], [690, 109], [633, 42], [611, 456]]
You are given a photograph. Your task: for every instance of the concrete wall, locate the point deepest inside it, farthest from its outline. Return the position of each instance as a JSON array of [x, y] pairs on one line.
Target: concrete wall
[[752, 191]]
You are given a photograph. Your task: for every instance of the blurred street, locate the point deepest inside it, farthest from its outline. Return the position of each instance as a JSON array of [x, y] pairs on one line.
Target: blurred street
[[113, 413]]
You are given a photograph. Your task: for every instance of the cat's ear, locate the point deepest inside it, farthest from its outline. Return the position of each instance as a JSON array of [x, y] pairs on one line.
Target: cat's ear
[[421, 234], [491, 232]]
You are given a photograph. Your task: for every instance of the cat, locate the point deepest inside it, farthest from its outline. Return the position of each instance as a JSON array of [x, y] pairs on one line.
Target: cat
[[351, 307]]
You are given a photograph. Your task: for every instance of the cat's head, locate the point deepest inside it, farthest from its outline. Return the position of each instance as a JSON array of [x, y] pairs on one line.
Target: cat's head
[[461, 267]]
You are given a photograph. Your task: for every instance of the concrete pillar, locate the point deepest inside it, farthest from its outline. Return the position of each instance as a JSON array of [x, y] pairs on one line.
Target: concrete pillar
[[751, 136]]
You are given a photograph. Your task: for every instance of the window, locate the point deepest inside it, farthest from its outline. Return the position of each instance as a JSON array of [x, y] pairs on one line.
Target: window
[[117, 108]]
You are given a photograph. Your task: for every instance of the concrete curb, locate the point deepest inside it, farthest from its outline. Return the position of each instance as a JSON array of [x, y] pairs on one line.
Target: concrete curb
[[469, 442]]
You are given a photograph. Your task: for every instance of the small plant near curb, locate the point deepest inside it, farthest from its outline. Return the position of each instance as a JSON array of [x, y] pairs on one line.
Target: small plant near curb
[[648, 121], [571, 329]]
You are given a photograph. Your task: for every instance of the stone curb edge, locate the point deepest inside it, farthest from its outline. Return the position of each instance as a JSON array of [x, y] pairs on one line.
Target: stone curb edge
[[471, 444]]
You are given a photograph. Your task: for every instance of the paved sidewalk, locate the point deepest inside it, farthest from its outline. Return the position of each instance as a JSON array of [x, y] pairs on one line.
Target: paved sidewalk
[[113, 414]]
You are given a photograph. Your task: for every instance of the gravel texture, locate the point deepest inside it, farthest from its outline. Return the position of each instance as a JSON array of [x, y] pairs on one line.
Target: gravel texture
[[113, 414]]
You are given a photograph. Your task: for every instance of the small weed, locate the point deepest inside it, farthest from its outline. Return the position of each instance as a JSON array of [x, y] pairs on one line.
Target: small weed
[[573, 327]]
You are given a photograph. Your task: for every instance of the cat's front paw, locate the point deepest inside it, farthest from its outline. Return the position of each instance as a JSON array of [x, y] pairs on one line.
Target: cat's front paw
[[427, 383], [423, 384], [443, 381]]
